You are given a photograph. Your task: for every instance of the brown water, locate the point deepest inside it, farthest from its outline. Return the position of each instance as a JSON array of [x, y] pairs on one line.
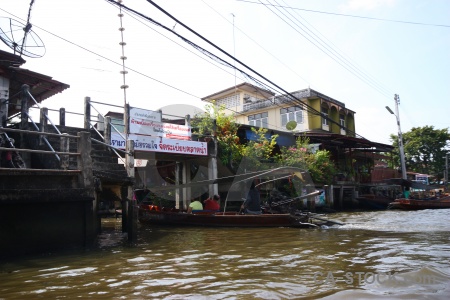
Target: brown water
[[385, 254]]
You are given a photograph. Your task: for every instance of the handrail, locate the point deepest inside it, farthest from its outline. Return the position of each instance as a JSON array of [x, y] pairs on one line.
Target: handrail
[[31, 96], [44, 138], [38, 133], [39, 151], [108, 104], [112, 126]]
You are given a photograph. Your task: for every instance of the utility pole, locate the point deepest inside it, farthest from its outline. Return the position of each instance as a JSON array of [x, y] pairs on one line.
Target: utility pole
[[400, 137]]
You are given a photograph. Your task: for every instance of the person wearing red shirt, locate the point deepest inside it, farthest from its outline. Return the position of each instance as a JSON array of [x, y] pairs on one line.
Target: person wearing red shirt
[[212, 204]]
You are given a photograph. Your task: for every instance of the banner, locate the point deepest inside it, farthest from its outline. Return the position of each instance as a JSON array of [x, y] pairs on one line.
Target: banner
[[167, 130], [159, 144]]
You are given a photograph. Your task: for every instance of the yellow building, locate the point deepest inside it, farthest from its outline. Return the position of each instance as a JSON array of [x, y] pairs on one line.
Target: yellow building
[[307, 109]]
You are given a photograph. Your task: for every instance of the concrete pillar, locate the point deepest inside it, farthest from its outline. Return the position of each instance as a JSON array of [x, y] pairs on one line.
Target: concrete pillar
[[64, 147], [177, 186], [84, 160], [132, 205], [187, 195]]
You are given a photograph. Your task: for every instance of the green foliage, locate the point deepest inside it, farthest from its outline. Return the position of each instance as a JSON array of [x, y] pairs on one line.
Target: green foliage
[[255, 154], [214, 123], [319, 164], [425, 149], [321, 167], [258, 152]]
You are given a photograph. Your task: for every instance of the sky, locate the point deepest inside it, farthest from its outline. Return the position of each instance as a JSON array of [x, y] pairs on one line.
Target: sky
[[359, 52]]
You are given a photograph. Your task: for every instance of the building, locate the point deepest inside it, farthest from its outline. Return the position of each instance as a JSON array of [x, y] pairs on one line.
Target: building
[[325, 121], [301, 111]]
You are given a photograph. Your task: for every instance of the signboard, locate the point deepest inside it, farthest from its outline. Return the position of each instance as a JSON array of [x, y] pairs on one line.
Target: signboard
[[145, 115], [167, 130], [159, 144]]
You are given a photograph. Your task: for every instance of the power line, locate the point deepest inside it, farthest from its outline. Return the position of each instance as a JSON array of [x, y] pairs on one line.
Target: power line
[[326, 50], [352, 16], [292, 97], [104, 57]]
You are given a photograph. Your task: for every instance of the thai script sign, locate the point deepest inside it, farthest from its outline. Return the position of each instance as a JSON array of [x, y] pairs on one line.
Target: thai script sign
[[143, 114], [159, 144], [168, 130]]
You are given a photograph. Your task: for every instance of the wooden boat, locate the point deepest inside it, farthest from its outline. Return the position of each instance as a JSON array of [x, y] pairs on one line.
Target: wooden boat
[[270, 216], [424, 200]]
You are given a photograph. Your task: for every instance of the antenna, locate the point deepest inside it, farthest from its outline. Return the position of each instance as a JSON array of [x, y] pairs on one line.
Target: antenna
[[28, 44]]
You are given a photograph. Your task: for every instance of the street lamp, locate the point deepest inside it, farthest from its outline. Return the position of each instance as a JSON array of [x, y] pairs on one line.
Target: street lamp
[[400, 138]]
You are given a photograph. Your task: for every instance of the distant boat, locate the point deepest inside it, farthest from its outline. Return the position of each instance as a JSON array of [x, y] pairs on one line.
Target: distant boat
[[422, 200]]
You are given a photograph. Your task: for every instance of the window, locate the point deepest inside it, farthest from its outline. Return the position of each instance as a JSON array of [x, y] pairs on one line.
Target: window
[[324, 116], [293, 113], [342, 121], [230, 101], [259, 120]]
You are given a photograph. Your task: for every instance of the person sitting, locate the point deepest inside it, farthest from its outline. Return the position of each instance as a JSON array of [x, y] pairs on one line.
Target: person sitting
[[195, 205], [212, 203], [252, 205]]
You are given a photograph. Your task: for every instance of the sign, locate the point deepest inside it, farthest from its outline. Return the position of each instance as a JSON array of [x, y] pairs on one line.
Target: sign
[[167, 130], [137, 162], [145, 115], [159, 144]]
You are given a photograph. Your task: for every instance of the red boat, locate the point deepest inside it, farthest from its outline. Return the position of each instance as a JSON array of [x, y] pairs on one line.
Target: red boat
[[414, 204], [423, 199]]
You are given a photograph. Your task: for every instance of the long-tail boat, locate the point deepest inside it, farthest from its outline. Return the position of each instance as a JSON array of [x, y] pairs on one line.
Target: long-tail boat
[[274, 214]]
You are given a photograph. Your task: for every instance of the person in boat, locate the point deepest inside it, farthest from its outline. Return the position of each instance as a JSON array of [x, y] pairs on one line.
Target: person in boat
[[212, 203], [195, 205], [252, 204]]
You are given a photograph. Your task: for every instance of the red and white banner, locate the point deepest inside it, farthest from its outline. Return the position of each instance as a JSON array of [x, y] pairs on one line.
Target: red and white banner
[[152, 128], [159, 144]]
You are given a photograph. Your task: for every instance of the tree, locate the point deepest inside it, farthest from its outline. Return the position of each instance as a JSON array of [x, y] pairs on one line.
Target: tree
[[319, 163], [425, 149], [259, 153], [214, 123]]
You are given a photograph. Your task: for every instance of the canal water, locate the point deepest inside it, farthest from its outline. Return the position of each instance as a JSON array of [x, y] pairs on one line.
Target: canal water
[[376, 255]]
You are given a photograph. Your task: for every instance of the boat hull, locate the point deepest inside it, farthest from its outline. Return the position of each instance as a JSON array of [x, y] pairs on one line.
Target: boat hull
[[219, 219], [412, 204]]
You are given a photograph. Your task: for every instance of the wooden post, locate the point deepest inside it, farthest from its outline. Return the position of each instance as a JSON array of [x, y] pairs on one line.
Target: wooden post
[[341, 197], [43, 122], [177, 186], [24, 107], [87, 113], [107, 132], [3, 111], [64, 147], [62, 116], [126, 119]]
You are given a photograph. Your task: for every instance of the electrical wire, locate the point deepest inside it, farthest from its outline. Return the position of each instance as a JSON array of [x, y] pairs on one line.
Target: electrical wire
[[353, 16], [311, 109]]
